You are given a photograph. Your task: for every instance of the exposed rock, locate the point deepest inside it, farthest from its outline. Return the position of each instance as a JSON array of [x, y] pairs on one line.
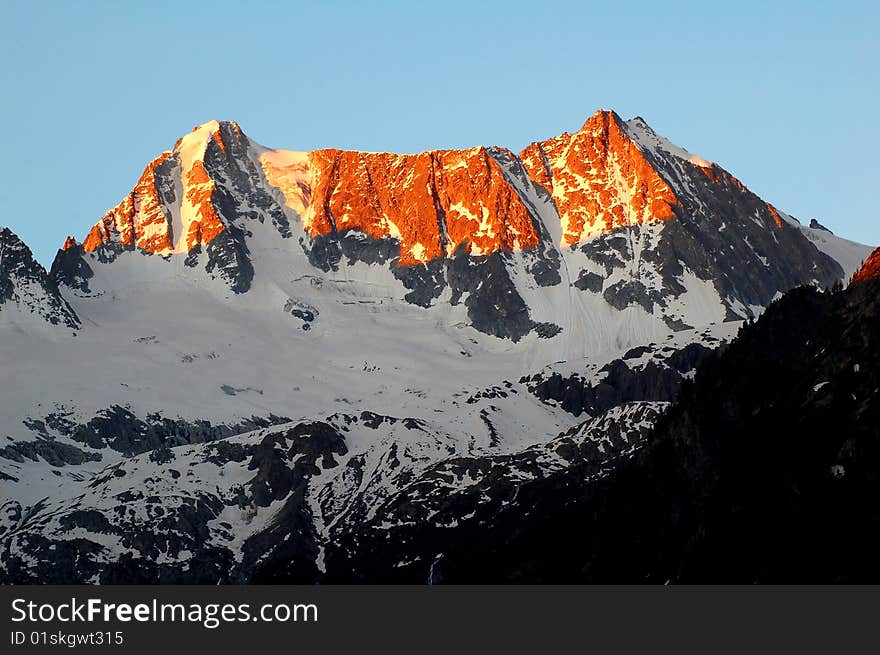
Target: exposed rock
[[816, 225], [870, 269], [25, 286]]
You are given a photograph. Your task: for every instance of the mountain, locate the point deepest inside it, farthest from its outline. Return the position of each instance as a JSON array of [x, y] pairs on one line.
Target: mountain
[[870, 269], [764, 471], [28, 296], [613, 211], [284, 361]]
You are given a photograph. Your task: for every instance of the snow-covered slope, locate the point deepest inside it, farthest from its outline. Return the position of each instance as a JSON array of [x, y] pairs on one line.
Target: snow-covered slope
[[29, 300], [275, 347], [849, 254]]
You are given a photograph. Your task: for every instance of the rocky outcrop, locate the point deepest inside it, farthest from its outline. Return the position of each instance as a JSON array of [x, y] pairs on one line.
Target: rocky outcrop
[[597, 189], [26, 291], [431, 203], [658, 378], [599, 179], [870, 269], [171, 208]]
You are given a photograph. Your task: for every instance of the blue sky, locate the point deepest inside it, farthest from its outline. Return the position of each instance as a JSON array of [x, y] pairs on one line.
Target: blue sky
[[783, 94]]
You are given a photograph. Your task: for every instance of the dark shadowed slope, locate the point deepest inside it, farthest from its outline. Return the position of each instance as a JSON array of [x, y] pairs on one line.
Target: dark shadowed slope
[[767, 469]]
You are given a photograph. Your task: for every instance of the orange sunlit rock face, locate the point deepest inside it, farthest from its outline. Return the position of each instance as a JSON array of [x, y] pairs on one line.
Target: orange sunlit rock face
[[775, 214], [870, 269], [138, 220], [709, 171], [204, 224], [717, 174], [219, 141], [432, 202], [599, 179], [143, 221], [69, 243]]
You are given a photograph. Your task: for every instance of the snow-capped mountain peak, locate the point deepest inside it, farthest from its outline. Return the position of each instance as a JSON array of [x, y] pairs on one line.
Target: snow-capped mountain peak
[[599, 179], [170, 209], [283, 355], [612, 210]]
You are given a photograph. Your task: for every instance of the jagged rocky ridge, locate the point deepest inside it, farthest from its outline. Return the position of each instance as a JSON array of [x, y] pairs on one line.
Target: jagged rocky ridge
[[25, 289], [296, 502], [612, 209], [269, 365]]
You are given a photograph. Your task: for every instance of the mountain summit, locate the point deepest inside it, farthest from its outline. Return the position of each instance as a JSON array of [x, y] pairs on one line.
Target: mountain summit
[[612, 210], [273, 365]]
